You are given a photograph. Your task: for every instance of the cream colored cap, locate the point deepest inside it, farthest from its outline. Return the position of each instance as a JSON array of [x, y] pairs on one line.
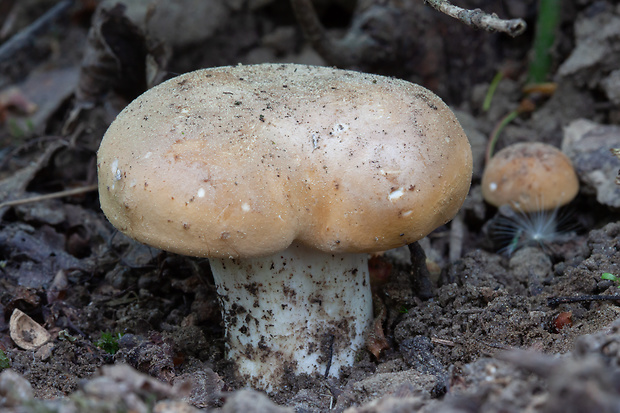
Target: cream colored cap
[[529, 177], [242, 161]]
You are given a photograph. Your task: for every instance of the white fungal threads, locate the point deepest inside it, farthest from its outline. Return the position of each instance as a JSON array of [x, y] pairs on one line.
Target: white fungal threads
[[200, 193], [396, 194], [493, 186], [245, 207]]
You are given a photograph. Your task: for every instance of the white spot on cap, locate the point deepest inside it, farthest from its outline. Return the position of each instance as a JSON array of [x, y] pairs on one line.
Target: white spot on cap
[[315, 141], [245, 207], [148, 155], [407, 213], [201, 193], [115, 171], [493, 186], [397, 193], [339, 127]]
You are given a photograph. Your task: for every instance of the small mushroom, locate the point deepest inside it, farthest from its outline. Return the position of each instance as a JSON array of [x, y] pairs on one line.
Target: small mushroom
[[529, 177], [285, 176]]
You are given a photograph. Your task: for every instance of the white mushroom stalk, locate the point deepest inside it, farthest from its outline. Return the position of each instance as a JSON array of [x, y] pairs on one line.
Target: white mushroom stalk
[[296, 311]]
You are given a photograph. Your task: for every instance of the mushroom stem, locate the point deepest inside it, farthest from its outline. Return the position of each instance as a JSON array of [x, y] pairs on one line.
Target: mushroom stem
[[297, 311]]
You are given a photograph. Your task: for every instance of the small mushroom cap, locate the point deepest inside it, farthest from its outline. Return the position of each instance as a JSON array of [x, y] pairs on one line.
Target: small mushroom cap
[[242, 161], [529, 177]]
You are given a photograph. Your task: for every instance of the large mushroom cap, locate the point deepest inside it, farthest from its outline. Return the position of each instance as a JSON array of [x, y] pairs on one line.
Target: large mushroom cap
[[529, 177], [244, 160]]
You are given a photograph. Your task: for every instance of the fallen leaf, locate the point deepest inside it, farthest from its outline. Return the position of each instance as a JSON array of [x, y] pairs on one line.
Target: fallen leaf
[[26, 332]]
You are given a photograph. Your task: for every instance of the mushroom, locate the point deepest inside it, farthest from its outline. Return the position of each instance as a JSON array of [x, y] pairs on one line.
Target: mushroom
[[529, 177], [285, 177]]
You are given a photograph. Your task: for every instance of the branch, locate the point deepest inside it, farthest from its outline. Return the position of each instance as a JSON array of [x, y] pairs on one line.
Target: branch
[[54, 195], [27, 35], [478, 18], [356, 47]]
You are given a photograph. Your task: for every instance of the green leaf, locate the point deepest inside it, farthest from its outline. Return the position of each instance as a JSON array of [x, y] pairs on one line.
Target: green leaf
[[109, 342], [611, 277]]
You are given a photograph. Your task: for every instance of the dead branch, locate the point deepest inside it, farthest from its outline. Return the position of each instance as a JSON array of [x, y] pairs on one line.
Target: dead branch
[[54, 195], [478, 18], [27, 35], [422, 285], [350, 50]]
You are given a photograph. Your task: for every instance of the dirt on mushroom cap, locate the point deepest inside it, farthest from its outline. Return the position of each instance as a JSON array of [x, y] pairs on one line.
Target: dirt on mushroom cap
[[246, 159]]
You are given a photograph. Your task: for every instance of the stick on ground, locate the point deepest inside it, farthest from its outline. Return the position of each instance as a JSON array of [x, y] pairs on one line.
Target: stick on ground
[[478, 18]]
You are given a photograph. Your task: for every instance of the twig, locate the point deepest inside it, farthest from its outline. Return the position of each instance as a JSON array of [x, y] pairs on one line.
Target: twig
[[420, 276], [443, 342], [555, 301], [346, 53], [26, 36], [61, 194], [478, 18]]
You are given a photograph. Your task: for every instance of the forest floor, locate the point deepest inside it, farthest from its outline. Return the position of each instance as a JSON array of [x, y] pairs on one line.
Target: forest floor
[[130, 328]]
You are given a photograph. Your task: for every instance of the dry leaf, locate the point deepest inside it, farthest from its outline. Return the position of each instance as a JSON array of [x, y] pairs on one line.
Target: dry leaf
[[26, 332]]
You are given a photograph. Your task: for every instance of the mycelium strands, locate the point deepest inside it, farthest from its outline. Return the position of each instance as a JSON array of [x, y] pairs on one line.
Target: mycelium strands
[[296, 311]]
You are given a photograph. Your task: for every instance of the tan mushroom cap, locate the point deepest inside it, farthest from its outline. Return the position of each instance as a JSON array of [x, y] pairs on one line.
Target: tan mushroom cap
[[242, 161], [529, 177]]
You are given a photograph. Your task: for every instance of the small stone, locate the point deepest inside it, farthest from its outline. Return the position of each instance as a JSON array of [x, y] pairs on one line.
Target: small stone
[[14, 389], [587, 144], [45, 351]]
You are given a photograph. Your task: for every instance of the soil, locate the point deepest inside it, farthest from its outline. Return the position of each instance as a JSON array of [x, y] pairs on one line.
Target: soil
[[532, 327]]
